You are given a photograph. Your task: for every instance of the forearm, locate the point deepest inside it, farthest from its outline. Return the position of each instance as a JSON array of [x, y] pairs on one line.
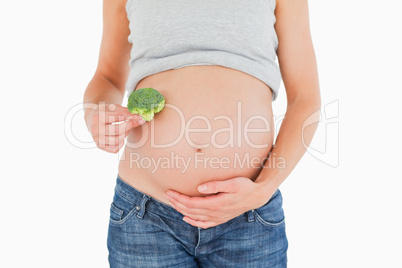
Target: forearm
[[296, 132], [100, 89]]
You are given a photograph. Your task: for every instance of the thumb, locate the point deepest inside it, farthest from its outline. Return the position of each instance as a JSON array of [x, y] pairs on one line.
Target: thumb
[[121, 111], [134, 121], [215, 187]]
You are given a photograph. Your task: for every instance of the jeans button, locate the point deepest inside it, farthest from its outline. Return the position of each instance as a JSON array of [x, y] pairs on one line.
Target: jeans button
[[137, 208]]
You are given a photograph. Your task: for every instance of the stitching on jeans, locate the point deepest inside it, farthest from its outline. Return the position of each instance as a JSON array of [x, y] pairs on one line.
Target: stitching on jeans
[[117, 210], [142, 206], [125, 198], [267, 223], [250, 216], [129, 215], [198, 242], [152, 212]]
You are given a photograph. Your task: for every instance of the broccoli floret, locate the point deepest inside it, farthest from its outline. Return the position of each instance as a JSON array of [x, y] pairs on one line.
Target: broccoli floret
[[146, 102]]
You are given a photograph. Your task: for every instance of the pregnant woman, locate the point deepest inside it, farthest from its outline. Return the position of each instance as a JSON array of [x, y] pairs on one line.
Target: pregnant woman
[[197, 186]]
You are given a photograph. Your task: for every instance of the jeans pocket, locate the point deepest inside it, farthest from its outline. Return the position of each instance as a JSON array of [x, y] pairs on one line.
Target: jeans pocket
[[121, 209], [271, 214]]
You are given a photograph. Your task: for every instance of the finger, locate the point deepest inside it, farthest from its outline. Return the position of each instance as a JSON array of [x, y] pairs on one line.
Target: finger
[[211, 202], [119, 146], [110, 113], [202, 224], [135, 121], [198, 216], [101, 129], [115, 140], [118, 129], [195, 213], [113, 149], [210, 187], [104, 141]]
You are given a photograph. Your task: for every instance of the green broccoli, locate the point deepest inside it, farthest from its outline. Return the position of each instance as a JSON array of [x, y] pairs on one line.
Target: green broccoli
[[146, 102]]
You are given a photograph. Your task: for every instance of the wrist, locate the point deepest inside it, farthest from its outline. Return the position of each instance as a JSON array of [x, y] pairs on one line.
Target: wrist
[[264, 189]]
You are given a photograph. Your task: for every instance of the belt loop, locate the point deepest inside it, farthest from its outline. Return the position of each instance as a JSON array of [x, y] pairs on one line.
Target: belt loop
[[141, 211], [250, 215]]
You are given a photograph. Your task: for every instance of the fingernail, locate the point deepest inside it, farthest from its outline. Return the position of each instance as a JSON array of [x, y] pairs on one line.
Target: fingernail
[[202, 188], [142, 121]]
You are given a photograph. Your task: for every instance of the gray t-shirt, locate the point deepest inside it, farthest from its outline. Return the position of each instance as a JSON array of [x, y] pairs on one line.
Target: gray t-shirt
[[237, 34]]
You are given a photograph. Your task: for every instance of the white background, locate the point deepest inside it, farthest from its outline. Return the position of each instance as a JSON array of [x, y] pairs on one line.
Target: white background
[[342, 202]]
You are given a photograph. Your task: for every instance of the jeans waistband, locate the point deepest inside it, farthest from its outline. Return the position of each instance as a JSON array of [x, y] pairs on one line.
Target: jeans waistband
[[145, 202]]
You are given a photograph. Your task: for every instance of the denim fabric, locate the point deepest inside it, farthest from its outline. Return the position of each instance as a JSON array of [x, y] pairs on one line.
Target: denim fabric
[[144, 232]]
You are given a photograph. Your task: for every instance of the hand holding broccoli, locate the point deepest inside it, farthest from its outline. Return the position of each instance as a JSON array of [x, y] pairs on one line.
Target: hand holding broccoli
[[102, 121]]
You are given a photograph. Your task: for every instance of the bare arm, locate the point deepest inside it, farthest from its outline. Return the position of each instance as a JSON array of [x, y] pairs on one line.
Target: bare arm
[[108, 83], [298, 67]]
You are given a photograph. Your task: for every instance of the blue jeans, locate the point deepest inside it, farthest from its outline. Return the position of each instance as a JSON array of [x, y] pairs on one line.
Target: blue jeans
[[144, 232]]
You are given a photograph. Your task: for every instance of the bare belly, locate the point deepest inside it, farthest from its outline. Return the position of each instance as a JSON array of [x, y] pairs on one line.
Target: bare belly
[[216, 125]]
